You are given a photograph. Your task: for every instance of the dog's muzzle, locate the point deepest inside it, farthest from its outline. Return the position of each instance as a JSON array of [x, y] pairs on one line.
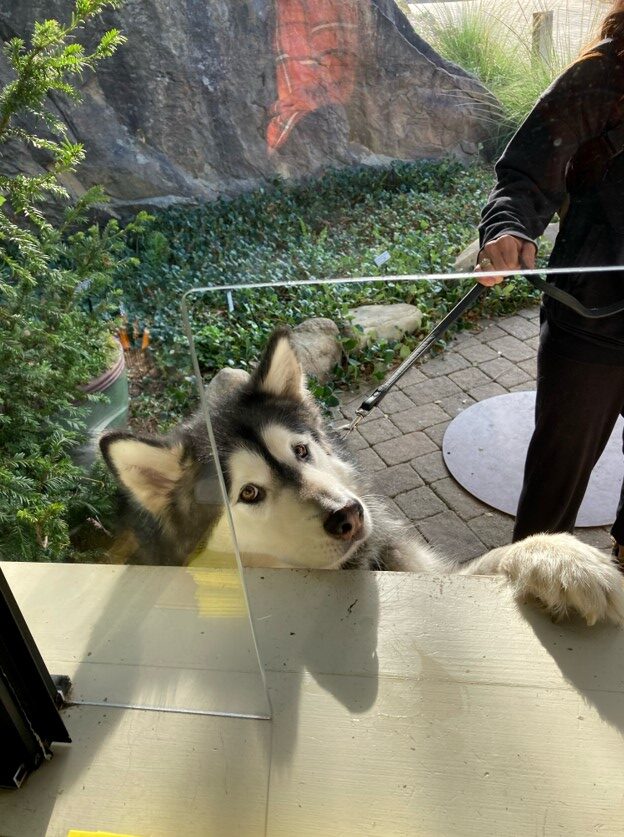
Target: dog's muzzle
[[347, 523]]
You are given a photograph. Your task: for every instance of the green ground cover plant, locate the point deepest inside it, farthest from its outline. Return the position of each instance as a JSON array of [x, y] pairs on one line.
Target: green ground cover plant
[[422, 213]]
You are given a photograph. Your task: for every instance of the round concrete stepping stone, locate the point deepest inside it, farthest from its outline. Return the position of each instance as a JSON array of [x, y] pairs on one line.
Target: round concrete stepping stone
[[485, 447]]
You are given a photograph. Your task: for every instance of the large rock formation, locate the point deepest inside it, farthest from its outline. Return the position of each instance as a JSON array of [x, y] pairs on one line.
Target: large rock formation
[[213, 97]]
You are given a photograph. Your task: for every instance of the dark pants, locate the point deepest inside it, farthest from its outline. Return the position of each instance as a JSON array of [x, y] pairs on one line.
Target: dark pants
[[577, 406]]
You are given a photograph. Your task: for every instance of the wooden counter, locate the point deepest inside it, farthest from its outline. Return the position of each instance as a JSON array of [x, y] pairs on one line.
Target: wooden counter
[[403, 705]]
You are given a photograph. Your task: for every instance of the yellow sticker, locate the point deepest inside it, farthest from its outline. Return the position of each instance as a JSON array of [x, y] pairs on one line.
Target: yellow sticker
[[97, 834]]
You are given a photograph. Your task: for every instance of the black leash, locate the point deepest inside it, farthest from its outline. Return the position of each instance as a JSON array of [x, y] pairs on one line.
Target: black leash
[[376, 397], [572, 302]]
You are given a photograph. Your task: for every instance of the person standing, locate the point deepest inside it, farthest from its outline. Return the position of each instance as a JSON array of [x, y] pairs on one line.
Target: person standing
[[567, 157]]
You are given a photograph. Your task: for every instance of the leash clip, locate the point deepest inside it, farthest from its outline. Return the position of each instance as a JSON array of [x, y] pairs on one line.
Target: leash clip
[[363, 410], [357, 418]]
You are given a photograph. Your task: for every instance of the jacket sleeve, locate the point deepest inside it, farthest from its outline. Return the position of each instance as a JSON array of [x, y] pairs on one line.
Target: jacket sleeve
[[531, 174]]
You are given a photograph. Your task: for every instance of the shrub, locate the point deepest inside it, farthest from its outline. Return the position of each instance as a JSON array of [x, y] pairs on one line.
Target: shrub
[[495, 46], [53, 337]]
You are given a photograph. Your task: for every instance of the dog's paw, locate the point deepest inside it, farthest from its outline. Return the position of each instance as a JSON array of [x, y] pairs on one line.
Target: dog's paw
[[566, 575]]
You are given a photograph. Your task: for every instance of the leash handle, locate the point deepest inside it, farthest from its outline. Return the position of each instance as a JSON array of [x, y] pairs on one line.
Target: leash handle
[[572, 302]]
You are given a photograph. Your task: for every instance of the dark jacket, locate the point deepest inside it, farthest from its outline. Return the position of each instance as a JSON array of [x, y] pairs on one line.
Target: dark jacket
[[559, 150]]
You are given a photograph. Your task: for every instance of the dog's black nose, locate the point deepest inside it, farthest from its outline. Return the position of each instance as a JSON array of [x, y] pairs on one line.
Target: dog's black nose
[[346, 523]]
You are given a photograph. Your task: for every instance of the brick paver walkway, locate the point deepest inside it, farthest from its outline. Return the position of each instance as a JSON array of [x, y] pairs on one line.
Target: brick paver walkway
[[401, 441]]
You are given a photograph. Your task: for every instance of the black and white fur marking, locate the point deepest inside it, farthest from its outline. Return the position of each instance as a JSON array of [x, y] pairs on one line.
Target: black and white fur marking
[[298, 499]]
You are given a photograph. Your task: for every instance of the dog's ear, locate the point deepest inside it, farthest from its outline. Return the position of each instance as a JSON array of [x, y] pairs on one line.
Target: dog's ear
[[279, 371], [148, 469]]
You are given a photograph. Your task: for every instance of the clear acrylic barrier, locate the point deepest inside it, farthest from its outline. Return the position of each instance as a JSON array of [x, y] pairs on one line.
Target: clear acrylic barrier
[[155, 634], [288, 545], [166, 638], [149, 623]]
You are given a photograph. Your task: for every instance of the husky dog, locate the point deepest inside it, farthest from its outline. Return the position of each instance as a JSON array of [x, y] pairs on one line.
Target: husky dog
[[298, 499]]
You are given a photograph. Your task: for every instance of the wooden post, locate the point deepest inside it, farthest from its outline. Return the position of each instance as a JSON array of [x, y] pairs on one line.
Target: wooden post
[[542, 42]]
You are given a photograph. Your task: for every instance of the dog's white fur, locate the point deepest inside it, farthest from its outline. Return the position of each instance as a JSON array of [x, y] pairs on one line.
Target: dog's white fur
[[562, 573], [558, 570], [286, 529]]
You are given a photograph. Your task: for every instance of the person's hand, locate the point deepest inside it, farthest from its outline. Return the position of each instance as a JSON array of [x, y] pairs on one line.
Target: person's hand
[[505, 253]]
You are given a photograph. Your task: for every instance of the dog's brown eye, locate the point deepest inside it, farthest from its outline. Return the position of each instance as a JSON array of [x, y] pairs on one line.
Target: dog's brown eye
[[301, 451], [251, 494]]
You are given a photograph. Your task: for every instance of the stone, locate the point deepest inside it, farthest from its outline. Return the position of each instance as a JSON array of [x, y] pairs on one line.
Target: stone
[[418, 418], [477, 352], [444, 364], [512, 348], [436, 433], [519, 327], [356, 442], [394, 402], [378, 430], [450, 536], [404, 448], [515, 377], [318, 347], [412, 376], [189, 108], [453, 405], [397, 480], [384, 322], [433, 389], [225, 381], [530, 313], [487, 391], [493, 528], [529, 366], [489, 332], [369, 460], [467, 259], [458, 499], [431, 467], [469, 378], [599, 538], [420, 503], [498, 366]]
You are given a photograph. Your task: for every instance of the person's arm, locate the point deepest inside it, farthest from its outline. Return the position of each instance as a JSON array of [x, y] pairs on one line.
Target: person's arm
[[531, 174]]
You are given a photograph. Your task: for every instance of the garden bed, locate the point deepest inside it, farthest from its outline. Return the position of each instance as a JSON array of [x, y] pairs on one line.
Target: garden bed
[[422, 214]]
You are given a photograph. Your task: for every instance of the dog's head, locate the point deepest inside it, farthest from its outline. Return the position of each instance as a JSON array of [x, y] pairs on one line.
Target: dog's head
[[292, 489]]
